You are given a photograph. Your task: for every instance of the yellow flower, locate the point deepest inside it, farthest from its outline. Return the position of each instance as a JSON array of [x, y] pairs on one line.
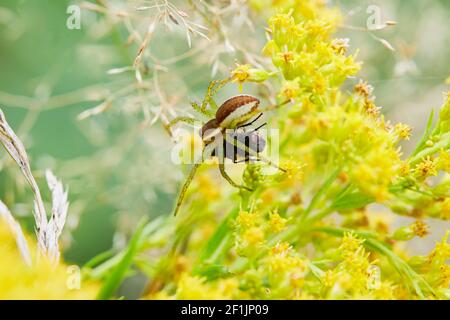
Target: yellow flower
[[444, 280], [403, 131], [276, 222], [420, 228], [293, 170], [340, 46], [426, 168], [404, 168], [444, 160], [363, 88], [196, 288], [253, 236], [246, 219], [245, 73], [290, 89], [445, 209], [40, 281], [350, 243]]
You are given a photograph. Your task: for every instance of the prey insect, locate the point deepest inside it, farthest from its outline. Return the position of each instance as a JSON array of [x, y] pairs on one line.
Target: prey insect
[[227, 135]]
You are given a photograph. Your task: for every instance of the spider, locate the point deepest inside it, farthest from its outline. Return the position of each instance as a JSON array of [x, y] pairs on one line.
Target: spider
[[224, 135]]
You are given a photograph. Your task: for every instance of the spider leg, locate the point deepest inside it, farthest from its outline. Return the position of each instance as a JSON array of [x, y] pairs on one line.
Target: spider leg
[[213, 104], [168, 125], [209, 94], [213, 87], [276, 106], [176, 120], [185, 187], [206, 153], [222, 170], [247, 159], [250, 123], [228, 178], [200, 109], [256, 129], [219, 84], [250, 152]]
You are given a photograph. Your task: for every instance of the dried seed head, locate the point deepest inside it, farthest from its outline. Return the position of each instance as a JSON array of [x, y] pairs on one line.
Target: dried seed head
[[236, 110]]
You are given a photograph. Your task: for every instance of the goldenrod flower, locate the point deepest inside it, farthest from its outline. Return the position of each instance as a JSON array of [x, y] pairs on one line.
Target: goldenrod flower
[[403, 131], [276, 222], [42, 280], [340, 46], [245, 73], [364, 89], [426, 168]]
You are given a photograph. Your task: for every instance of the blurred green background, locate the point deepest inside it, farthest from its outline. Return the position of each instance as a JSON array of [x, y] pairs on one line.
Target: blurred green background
[[118, 170]]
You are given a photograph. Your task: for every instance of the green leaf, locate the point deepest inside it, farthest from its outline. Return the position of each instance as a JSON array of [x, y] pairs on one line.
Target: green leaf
[[323, 189], [212, 271], [211, 250], [352, 200], [425, 136], [119, 272]]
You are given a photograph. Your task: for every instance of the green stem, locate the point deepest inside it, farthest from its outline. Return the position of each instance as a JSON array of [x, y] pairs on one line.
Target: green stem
[[444, 143], [323, 189]]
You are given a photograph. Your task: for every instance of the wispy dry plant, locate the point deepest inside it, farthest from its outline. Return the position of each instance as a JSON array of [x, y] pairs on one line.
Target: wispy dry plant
[[15, 148], [60, 205], [47, 232], [6, 215], [140, 20]]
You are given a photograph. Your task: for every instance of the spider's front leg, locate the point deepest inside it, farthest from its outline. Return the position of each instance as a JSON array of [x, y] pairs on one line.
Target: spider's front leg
[[185, 187], [275, 106], [253, 153], [200, 109], [206, 153], [213, 87], [221, 156], [168, 125], [228, 178]]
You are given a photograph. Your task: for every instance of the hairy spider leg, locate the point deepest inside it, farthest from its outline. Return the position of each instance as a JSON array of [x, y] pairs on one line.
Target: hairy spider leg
[[221, 156], [168, 126], [188, 120], [219, 84], [275, 106], [256, 129], [213, 87], [191, 176], [248, 158], [199, 109], [242, 146], [250, 123], [185, 187], [224, 174]]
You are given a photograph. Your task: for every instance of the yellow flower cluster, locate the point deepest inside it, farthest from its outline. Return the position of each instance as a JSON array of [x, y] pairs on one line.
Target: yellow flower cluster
[[307, 232], [41, 280]]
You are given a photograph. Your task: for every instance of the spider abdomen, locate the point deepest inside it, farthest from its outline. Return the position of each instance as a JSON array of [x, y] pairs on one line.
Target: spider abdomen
[[251, 140], [236, 110]]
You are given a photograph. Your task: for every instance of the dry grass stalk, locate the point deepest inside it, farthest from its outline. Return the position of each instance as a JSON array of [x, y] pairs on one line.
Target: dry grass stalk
[[15, 148], [6, 215], [60, 205], [48, 232]]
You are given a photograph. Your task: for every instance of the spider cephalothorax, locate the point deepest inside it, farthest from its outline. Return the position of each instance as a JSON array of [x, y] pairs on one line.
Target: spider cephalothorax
[[226, 135]]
